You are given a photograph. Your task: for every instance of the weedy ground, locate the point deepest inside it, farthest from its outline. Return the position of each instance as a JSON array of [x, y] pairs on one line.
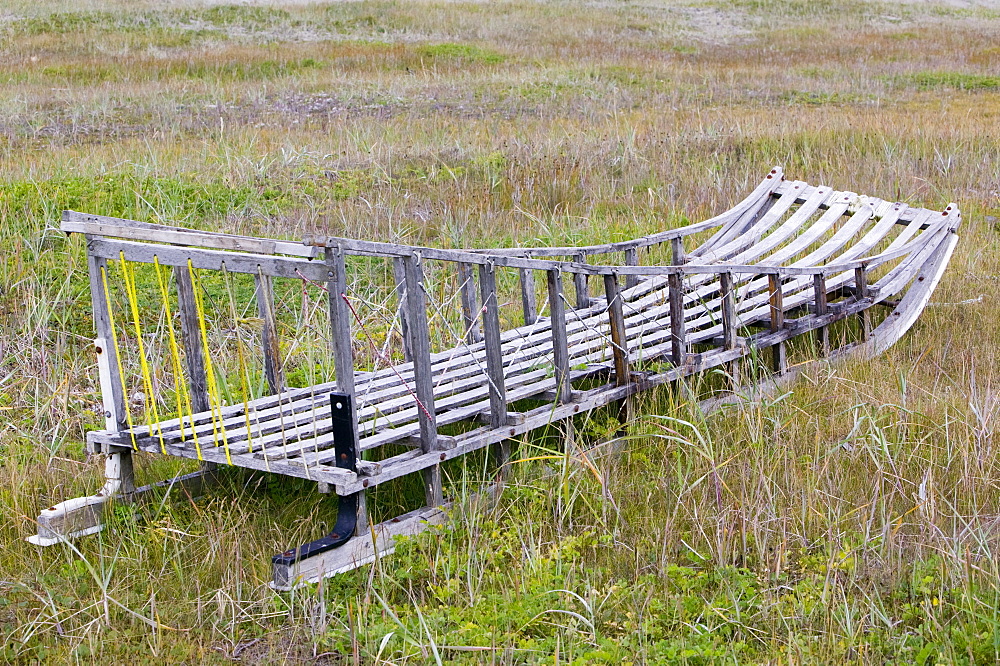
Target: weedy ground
[[854, 519]]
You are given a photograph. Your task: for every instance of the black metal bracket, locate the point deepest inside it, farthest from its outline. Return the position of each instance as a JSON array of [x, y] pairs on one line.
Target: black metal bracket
[[345, 447]]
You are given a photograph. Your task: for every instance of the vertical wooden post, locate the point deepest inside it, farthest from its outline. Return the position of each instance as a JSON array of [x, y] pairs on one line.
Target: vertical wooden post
[[343, 354], [118, 465], [580, 283], [340, 319], [494, 355], [677, 251], [269, 334], [194, 351], [114, 398], [494, 360], [420, 347], [631, 259], [619, 340], [860, 292], [560, 343], [729, 324], [820, 308], [399, 275], [528, 296], [678, 333], [470, 310], [616, 318], [779, 358]]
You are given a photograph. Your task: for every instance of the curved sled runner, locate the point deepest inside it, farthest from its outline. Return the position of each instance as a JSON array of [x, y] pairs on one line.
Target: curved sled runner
[[437, 353]]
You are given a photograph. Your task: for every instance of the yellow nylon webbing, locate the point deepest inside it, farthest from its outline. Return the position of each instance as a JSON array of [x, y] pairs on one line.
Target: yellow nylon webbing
[[147, 378], [244, 371], [183, 396], [215, 400]]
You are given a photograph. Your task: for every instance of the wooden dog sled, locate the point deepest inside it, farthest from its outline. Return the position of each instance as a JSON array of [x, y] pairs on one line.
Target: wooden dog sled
[[352, 363]]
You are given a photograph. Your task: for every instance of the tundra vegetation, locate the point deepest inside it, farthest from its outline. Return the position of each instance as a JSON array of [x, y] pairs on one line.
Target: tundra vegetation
[[854, 518]]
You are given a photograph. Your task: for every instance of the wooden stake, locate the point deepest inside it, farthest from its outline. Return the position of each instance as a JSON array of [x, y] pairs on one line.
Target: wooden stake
[[820, 309], [269, 334], [779, 358], [631, 259], [560, 345], [528, 296], [861, 292], [194, 351], [729, 324], [580, 282], [678, 337]]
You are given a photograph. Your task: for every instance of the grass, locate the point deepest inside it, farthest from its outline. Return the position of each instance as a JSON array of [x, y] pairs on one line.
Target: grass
[[851, 520]]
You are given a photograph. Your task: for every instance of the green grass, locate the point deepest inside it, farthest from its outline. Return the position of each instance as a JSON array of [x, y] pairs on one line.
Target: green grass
[[464, 53], [957, 80], [851, 520]]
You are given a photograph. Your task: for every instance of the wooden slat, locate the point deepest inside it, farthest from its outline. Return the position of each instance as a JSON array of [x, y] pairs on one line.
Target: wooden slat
[[113, 227], [358, 551], [251, 264]]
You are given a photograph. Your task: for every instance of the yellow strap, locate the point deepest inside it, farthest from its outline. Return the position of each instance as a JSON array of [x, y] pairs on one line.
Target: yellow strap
[[118, 356], [183, 397], [214, 399], [244, 371], [147, 377]]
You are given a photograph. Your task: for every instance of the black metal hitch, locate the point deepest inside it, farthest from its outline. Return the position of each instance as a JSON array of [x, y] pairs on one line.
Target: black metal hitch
[[345, 447]]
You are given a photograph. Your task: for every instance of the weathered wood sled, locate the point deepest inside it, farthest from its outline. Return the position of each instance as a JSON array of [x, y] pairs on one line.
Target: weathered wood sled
[[215, 347]]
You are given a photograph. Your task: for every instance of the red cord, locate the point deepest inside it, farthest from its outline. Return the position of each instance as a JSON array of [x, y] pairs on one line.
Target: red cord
[[386, 360]]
